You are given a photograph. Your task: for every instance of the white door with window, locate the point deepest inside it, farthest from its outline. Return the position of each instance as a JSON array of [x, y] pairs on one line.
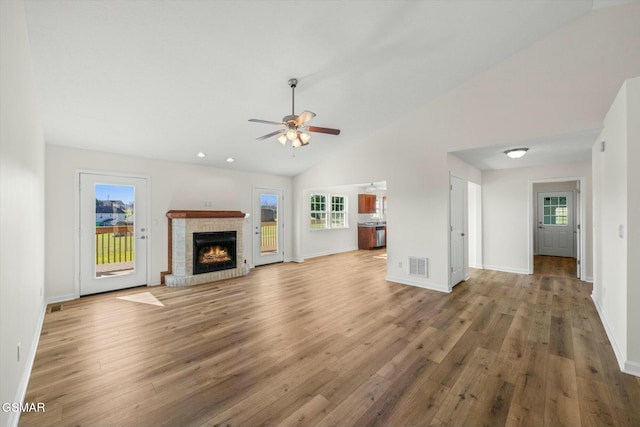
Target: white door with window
[[556, 223], [113, 232], [457, 230], [268, 226]]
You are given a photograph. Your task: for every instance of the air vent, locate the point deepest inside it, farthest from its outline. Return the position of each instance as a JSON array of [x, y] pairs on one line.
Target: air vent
[[55, 307], [418, 266]]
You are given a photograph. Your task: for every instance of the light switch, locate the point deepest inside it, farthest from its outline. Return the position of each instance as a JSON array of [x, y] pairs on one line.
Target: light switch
[[621, 231]]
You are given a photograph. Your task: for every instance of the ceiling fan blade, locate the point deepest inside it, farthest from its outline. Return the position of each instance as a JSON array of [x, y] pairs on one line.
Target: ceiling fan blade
[[304, 117], [266, 122], [324, 130], [269, 135]]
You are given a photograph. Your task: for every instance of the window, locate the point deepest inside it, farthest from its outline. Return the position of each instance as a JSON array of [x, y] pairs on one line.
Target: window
[[328, 212], [318, 211], [555, 211], [338, 212]]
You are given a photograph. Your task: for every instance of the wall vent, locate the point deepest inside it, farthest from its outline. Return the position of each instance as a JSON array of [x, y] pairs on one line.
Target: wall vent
[[418, 267]]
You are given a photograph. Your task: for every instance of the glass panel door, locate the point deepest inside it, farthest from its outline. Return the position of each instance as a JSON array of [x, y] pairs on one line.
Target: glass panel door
[[113, 232], [268, 226]]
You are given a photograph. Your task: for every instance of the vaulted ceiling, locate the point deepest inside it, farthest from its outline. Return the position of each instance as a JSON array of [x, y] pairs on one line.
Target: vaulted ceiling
[[169, 79]]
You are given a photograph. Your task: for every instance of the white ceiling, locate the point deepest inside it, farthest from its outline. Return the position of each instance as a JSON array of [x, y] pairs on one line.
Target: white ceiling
[[575, 147], [167, 79]]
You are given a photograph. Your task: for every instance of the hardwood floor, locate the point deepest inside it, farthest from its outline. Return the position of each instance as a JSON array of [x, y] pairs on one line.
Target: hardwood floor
[[555, 266], [330, 342]]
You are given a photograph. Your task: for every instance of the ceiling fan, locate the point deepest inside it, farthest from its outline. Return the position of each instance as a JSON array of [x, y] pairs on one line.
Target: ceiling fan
[[295, 128]]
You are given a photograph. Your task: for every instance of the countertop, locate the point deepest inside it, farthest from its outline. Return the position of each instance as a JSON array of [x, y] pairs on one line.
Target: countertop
[[372, 224]]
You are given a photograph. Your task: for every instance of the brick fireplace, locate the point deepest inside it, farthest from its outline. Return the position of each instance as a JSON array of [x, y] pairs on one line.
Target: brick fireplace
[[204, 246]]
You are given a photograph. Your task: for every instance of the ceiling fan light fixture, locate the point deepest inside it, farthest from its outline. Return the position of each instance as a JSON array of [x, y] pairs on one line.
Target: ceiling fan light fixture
[[295, 127], [516, 153]]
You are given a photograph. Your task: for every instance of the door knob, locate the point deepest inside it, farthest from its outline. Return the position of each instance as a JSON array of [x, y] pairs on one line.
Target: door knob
[[462, 234]]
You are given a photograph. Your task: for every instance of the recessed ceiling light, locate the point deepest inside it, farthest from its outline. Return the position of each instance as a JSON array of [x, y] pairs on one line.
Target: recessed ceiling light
[[201, 154], [516, 153], [230, 160]]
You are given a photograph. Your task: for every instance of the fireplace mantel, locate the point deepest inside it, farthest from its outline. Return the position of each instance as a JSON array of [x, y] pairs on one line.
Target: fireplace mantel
[[205, 214], [182, 225]]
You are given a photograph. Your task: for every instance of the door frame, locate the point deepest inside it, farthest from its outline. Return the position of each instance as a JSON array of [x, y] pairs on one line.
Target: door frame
[[465, 240], [77, 214], [580, 202], [281, 221]]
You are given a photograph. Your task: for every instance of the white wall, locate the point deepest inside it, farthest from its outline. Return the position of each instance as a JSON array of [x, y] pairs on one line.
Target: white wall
[[616, 216], [507, 209], [21, 209], [633, 223], [173, 186]]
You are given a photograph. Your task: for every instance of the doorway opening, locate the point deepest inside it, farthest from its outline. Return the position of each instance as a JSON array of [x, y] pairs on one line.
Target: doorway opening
[[556, 216]]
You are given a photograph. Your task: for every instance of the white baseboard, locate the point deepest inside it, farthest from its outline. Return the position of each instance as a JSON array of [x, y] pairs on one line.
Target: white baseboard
[[14, 418], [626, 366], [478, 266], [419, 284], [632, 368], [331, 252], [506, 269], [60, 298]]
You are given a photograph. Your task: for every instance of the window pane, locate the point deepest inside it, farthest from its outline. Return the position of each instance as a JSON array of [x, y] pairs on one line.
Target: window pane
[[562, 201], [547, 219], [547, 210], [318, 220], [554, 201], [114, 235], [337, 220], [547, 201]]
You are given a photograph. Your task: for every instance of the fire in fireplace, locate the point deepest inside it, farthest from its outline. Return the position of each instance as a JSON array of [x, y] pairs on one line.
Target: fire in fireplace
[[214, 251]]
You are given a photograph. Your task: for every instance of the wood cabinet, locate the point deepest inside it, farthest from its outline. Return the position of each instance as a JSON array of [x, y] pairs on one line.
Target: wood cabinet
[[366, 237], [366, 203]]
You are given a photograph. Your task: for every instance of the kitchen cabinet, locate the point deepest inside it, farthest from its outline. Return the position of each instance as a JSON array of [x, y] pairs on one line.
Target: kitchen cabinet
[[366, 203], [369, 237]]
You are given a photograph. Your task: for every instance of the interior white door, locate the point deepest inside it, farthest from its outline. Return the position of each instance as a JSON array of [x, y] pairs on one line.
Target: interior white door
[[113, 232], [457, 230], [268, 226], [556, 223]]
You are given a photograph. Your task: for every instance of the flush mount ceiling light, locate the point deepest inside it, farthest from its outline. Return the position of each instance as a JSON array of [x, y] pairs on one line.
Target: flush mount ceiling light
[[516, 153], [230, 160], [200, 154]]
